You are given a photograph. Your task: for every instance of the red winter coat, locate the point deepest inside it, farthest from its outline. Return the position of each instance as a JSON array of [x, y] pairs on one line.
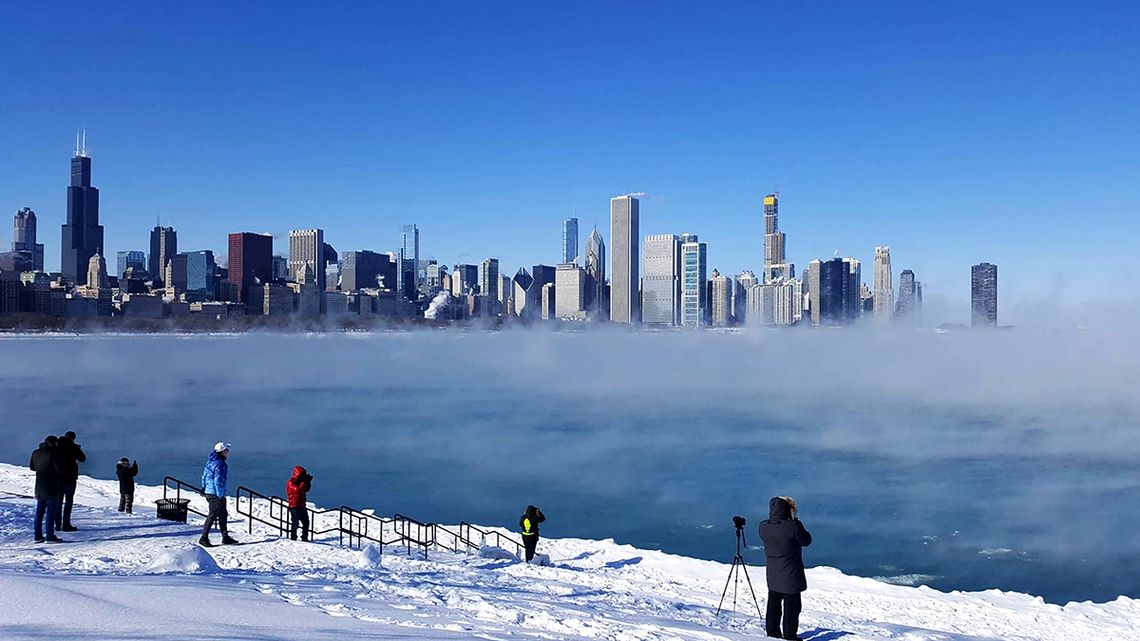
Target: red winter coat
[[298, 487]]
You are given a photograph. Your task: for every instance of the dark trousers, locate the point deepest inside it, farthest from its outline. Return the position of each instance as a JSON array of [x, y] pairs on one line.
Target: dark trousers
[[299, 516], [46, 511], [218, 514], [126, 501], [64, 503], [530, 542], [791, 606]]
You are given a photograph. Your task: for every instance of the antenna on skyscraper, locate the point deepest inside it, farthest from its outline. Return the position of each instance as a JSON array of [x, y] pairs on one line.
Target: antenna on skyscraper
[[84, 149], [77, 142]]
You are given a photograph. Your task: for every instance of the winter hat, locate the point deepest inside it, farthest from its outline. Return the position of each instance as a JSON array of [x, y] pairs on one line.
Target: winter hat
[[124, 460], [221, 446]]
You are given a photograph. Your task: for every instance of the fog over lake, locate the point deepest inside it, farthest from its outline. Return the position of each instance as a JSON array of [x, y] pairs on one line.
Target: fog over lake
[[964, 460]]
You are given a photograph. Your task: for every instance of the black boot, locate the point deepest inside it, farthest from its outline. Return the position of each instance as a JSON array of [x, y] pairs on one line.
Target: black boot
[[228, 540], [205, 542]]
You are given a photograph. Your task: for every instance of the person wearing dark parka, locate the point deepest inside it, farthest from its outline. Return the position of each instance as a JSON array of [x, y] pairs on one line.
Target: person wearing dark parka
[[49, 482], [528, 523], [70, 456], [784, 538], [127, 471]]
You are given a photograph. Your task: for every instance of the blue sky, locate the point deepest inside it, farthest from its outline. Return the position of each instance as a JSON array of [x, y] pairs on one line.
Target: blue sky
[[953, 132]]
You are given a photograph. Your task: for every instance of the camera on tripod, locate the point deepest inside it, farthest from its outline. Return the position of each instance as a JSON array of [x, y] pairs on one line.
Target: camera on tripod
[[737, 566]]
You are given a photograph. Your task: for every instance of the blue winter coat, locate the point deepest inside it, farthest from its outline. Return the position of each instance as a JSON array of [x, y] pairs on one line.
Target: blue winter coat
[[214, 475]]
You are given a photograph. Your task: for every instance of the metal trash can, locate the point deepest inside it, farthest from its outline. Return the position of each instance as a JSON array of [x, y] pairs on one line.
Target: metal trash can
[[172, 509]]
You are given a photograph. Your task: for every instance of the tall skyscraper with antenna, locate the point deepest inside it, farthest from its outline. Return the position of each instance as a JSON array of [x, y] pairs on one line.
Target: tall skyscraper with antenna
[[82, 233], [775, 261]]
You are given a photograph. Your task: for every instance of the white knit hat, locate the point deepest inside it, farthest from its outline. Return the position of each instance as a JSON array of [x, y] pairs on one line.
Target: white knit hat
[[221, 446]]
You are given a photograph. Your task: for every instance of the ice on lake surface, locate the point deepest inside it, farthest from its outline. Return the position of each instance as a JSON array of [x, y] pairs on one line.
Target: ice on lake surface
[[960, 460]]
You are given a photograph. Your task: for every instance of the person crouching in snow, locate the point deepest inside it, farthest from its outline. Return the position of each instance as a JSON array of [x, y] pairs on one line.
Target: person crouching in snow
[[529, 523], [126, 471], [297, 489]]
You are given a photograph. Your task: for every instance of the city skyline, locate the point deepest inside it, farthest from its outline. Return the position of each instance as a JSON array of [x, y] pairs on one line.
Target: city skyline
[[856, 168]]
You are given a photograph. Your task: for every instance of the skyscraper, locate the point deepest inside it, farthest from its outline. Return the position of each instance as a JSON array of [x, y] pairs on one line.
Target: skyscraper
[[883, 292], [408, 263], [569, 291], [280, 269], [661, 289], [596, 304], [775, 262], [694, 273], [744, 283], [489, 286], [625, 278], [163, 245], [435, 274], [363, 269], [307, 249], [464, 279], [522, 285], [570, 240], [837, 296], [24, 238], [192, 275], [909, 306], [82, 235], [250, 261], [983, 295], [128, 259], [721, 302]]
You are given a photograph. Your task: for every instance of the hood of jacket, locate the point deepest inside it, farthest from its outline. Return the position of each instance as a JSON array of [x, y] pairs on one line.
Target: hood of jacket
[[779, 510], [297, 472]]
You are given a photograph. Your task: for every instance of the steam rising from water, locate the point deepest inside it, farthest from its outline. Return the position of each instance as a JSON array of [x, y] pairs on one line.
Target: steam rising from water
[[926, 452]]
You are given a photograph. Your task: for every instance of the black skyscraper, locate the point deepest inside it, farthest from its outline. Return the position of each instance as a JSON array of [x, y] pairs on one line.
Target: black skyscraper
[[82, 234], [983, 295], [163, 247]]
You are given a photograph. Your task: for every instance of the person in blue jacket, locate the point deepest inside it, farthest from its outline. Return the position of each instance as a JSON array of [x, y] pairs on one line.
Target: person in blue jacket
[[214, 487]]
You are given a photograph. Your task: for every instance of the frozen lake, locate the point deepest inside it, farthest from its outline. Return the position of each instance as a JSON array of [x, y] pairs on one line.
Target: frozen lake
[[962, 461]]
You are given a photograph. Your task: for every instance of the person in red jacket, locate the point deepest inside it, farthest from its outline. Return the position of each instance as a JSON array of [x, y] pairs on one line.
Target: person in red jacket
[[297, 488]]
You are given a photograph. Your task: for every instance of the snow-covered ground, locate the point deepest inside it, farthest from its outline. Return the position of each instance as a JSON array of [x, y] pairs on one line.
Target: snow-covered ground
[[136, 577]]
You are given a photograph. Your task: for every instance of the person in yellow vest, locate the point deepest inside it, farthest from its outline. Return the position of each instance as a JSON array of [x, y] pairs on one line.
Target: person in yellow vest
[[529, 523]]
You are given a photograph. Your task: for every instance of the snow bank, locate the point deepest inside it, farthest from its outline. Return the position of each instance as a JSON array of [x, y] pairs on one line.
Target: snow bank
[[495, 552], [188, 560], [119, 574], [369, 557]]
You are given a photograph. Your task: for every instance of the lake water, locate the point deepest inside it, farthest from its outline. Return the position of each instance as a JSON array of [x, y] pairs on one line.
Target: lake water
[[961, 461]]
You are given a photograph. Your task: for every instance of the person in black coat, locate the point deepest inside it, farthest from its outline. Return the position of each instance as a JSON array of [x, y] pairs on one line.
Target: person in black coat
[[784, 538], [126, 471], [49, 477], [528, 523], [70, 456]]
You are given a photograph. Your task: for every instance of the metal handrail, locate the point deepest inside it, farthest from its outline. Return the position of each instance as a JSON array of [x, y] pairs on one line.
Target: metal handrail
[[466, 528], [351, 523], [178, 485], [278, 519]]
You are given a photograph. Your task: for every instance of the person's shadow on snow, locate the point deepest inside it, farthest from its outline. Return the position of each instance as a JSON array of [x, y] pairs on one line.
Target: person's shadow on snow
[[823, 634]]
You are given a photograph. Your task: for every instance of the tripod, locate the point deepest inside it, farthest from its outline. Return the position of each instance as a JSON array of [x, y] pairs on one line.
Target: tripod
[[734, 575]]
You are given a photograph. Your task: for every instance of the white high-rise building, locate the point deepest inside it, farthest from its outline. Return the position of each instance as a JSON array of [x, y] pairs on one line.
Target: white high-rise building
[[306, 249], [661, 287], [570, 291], [625, 260], [883, 292], [721, 303]]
